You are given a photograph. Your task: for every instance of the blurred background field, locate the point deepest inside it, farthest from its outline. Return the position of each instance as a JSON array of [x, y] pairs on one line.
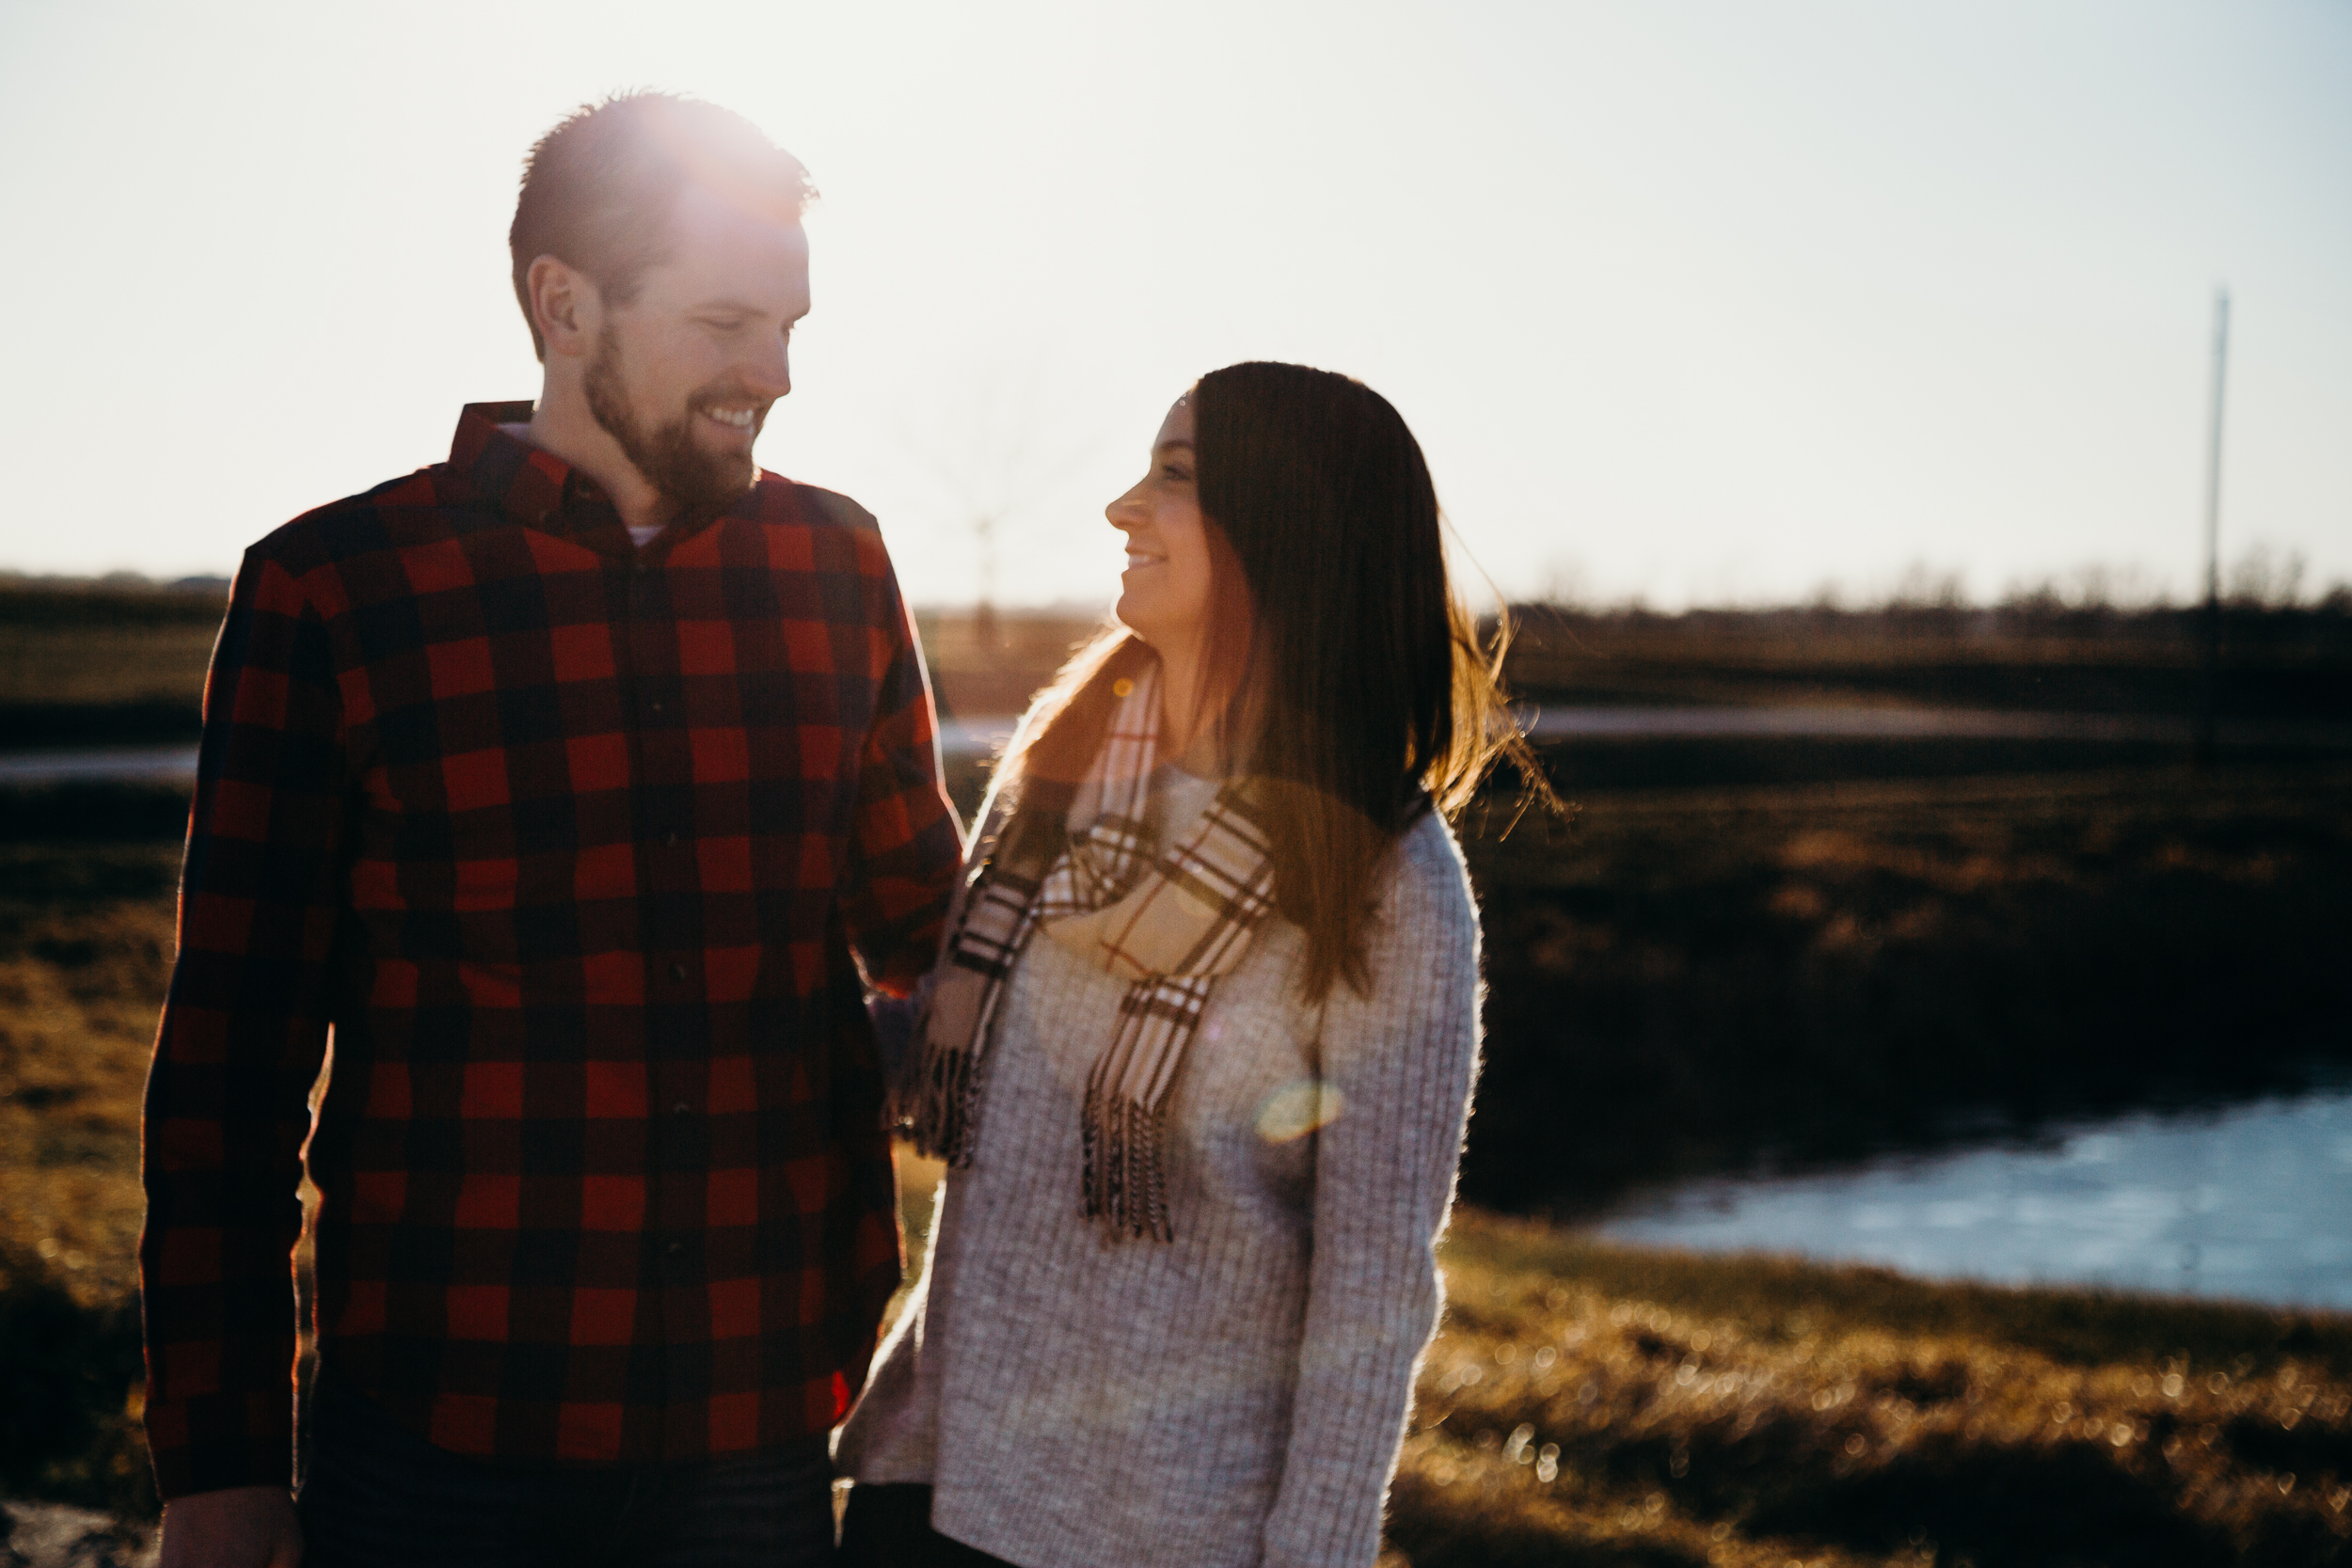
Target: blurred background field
[[1777, 952]]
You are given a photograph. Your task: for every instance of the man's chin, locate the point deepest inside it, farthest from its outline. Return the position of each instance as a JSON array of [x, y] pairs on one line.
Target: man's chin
[[697, 481], [722, 458], [727, 483]]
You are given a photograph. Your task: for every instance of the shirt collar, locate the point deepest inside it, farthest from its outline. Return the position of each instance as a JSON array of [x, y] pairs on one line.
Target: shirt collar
[[525, 482], [539, 489]]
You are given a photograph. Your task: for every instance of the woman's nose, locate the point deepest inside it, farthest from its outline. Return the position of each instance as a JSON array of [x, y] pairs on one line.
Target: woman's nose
[[1123, 511]]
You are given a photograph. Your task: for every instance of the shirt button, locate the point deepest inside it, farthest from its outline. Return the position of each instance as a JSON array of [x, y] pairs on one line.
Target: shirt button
[[677, 972], [676, 1248], [670, 839], [657, 707], [681, 1109]]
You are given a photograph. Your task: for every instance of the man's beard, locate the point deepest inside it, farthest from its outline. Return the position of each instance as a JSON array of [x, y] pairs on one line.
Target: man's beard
[[700, 482]]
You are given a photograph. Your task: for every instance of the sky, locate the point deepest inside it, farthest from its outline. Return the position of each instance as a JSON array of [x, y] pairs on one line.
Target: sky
[[1715, 301]]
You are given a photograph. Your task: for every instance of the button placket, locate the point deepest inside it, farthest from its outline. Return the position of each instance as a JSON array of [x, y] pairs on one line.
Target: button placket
[[671, 1135]]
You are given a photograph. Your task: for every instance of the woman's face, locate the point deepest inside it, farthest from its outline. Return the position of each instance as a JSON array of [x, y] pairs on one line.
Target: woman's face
[[1164, 594]]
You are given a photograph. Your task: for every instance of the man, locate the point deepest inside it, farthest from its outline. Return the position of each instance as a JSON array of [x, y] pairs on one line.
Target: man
[[572, 785]]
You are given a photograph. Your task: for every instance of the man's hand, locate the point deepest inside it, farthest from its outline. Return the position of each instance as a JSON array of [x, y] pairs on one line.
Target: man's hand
[[243, 1526]]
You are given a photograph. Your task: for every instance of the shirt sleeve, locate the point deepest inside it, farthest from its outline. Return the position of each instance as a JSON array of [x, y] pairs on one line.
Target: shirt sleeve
[[244, 1030], [905, 843], [1401, 1061]]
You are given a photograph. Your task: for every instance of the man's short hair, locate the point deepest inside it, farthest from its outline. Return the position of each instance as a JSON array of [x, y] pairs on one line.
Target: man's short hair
[[597, 190]]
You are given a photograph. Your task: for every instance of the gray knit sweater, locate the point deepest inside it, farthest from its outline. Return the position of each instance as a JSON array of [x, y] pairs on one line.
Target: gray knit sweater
[[1236, 1396]]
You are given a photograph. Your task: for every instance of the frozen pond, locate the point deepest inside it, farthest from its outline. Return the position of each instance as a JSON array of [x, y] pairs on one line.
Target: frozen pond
[[106, 763], [2252, 1201]]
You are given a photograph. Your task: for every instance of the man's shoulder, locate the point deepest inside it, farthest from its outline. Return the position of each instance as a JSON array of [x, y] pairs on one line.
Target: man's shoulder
[[357, 524], [781, 498]]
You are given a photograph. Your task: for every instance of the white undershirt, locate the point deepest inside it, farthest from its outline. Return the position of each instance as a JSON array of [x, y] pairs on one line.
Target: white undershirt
[[645, 535]]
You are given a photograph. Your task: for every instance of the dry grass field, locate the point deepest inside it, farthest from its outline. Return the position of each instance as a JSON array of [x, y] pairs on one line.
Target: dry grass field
[[94, 665], [1584, 1404], [110, 664], [1729, 970], [1596, 1405], [85, 952], [1588, 1405]]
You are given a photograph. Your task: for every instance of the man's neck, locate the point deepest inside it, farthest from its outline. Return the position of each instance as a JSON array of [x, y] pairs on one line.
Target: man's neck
[[562, 427]]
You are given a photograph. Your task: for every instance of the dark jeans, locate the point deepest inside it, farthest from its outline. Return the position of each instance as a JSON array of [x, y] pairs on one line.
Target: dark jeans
[[378, 1496], [890, 1527]]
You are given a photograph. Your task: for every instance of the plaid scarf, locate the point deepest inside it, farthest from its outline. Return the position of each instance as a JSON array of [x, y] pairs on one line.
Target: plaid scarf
[[1168, 921]]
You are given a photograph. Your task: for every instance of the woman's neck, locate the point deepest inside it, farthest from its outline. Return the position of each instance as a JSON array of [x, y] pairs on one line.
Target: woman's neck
[[1191, 735]]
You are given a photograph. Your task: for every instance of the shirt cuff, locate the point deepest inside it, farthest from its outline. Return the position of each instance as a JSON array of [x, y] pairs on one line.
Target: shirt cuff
[[214, 1441]]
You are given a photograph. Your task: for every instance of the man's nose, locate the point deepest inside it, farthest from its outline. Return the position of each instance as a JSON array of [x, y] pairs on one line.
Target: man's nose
[[770, 374]]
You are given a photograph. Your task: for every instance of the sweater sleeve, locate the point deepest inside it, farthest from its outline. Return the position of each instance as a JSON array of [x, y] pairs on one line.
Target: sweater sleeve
[[1402, 1060]]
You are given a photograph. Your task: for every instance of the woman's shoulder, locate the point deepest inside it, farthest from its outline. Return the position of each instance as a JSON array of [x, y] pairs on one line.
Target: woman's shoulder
[[1428, 881], [1421, 947]]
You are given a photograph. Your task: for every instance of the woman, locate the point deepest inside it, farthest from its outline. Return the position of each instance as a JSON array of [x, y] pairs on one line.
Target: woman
[[1200, 1042]]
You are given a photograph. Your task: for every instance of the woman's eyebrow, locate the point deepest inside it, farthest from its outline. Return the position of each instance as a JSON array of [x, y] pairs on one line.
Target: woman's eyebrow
[[1173, 446]]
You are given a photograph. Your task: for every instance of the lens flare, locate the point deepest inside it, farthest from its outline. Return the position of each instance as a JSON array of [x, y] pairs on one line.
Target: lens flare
[[1297, 1109]]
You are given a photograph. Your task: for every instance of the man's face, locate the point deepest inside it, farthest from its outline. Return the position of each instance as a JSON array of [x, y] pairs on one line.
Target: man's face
[[683, 375]]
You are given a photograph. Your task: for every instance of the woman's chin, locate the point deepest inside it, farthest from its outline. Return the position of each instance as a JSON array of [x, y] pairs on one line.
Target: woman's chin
[[1131, 615]]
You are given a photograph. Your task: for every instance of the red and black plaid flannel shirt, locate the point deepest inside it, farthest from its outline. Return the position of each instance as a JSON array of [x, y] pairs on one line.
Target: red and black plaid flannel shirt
[[569, 845]]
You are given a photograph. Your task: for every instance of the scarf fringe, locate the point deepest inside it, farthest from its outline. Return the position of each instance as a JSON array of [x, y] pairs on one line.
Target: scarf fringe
[[1124, 1176], [945, 1104]]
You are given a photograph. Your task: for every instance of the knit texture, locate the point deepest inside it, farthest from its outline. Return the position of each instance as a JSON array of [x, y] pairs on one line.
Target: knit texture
[[1235, 1396]]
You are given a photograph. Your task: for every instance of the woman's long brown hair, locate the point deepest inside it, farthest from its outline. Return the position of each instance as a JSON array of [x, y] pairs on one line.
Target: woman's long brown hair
[[1360, 679]]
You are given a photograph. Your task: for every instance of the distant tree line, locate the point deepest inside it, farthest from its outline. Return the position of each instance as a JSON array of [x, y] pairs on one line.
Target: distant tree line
[[2322, 624], [119, 598], [2262, 603]]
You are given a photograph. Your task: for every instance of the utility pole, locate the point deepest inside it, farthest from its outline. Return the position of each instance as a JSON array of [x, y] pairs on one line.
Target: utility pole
[[2211, 676]]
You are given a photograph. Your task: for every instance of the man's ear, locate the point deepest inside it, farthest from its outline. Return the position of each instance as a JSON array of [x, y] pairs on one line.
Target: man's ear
[[566, 306]]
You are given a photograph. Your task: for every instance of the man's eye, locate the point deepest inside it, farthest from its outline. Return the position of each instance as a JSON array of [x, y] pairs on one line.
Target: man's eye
[[723, 324]]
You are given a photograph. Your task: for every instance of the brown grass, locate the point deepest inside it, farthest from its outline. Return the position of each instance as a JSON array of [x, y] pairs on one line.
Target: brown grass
[[83, 968], [94, 665], [1588, 1403], [1584, 1405], [1594, 1404], [85, 939]]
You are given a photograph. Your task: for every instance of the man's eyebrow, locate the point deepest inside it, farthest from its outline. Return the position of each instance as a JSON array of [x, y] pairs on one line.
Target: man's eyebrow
[[1171, 446], [735, 307]]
